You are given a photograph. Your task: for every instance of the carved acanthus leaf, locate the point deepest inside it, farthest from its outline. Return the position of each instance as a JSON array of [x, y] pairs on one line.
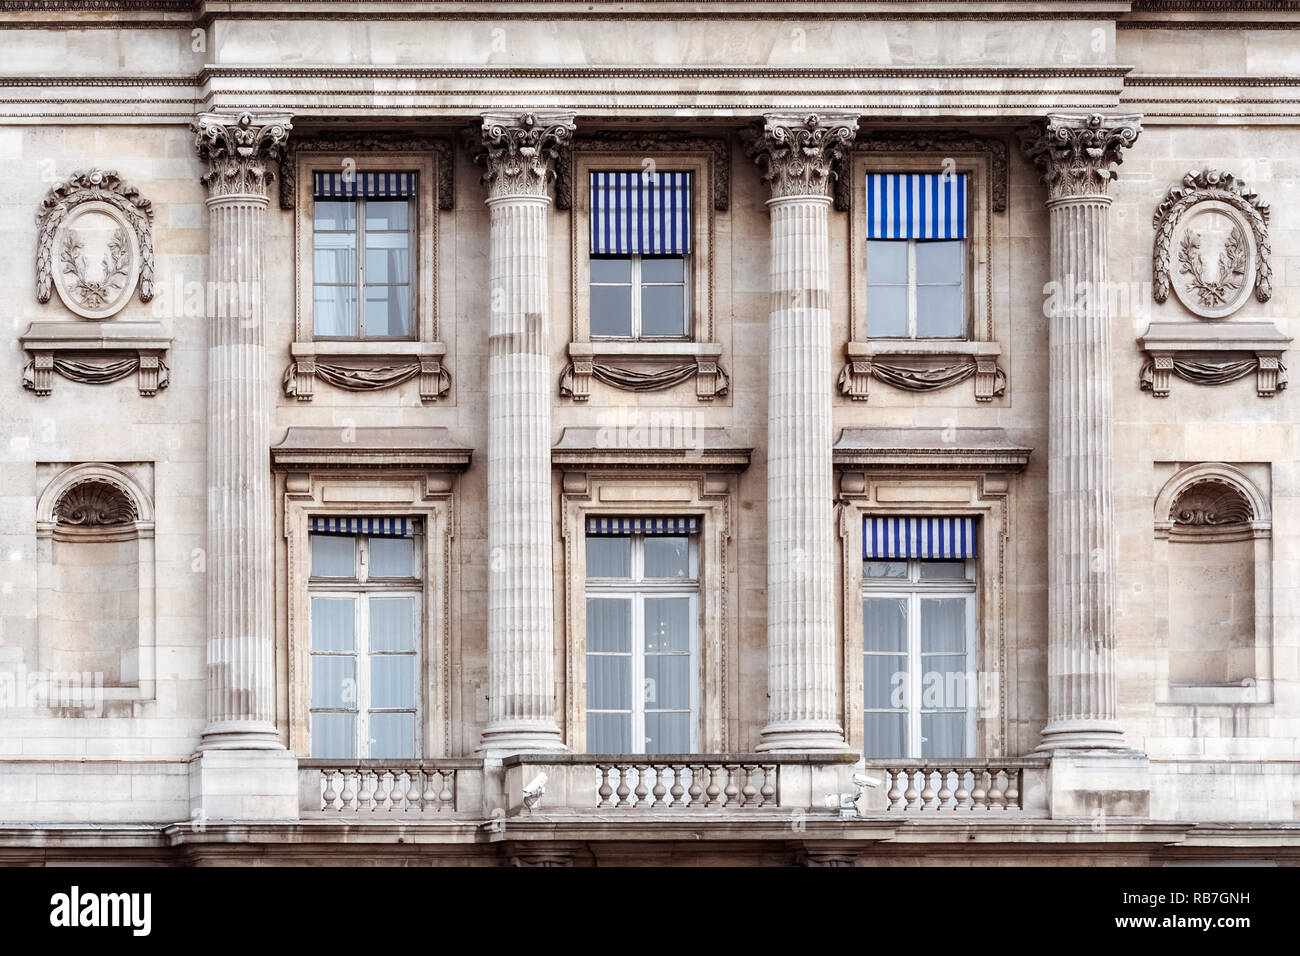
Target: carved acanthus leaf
[[1076, 153], [520, 154], [244, 153], [800, 155]]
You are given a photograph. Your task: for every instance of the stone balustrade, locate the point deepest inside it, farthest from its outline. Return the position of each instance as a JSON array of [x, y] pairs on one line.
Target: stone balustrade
[[386, 786], [1005, 784]]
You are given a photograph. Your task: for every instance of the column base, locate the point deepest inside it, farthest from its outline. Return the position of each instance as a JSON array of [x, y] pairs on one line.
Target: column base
[[521, 738], [802, 736], [1081, 735], [240, 735], [1099, 784], [243, 785]]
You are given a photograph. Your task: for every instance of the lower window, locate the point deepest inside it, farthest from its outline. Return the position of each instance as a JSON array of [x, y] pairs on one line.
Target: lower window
[[642, 641], [918, 646], [365, 661]]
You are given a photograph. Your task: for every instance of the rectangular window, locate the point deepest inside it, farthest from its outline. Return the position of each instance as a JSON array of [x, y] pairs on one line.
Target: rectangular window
[[365, 596], [363, 248], [642, 636], [640, 255], [916, 256]]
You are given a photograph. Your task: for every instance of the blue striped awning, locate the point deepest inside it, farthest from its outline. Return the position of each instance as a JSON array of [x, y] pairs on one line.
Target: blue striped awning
[[376, 527], [349, 185], [916, 206], [645, 213], [652, 526], [891, 538]]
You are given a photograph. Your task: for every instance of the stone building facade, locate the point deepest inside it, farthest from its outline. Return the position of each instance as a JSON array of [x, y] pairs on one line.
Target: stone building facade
[[570, 433]]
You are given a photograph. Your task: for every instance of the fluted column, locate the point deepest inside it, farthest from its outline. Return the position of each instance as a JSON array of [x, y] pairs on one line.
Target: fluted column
[[519, 154], [1076, 154], [242, 153], [798, 154]]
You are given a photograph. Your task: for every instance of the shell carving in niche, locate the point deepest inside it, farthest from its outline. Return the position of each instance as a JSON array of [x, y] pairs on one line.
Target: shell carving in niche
[[1210, 503], [94, 503]]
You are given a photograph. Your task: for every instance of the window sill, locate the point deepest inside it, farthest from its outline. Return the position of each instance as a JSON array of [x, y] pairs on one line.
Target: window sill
[[922, 365], [1213, 353], [367, 365], [96, 353], [644, 366]]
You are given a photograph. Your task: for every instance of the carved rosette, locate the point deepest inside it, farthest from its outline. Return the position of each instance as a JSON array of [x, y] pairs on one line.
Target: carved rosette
[[520, 154], [799, 156], [1212, 186], [244, 153], [1076, 153]]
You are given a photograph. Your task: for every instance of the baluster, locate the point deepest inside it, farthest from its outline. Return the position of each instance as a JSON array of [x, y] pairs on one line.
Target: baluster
[[348, 794], [677, 790], [429, 794], [767, 795], [978, 793], [624, 791], [1013, 789], [642, 791], [962, 794], [715, 787], [732, 790], [910, 794], [750, 792], [605, 791], [995, 790], [895, 795], [447, 795], [696, 790], [364, 798], [927, 790], [660, 791], [945, 794], [381, 790], [413, 790], [327, 798]]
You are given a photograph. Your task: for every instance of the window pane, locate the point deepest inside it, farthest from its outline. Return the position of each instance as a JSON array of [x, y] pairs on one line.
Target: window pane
[[667, 557], [611, 310], [661, 269], [387, 214], [392, 623], [611, 269], [334, 682], [667, 734], [334, 736], [884, 624], [939, 261], [668, 682], [887, 310], [335, 214], [663, 310], [945, 682], [885, 735], [392, 557], [891, 570], [609, 625], [392, 736], [333, 624], [388, 309], [334, 258], [609, 734], [943, 625], [392, 680], [939, 311], [943, 571], [609, 557], [333, 556], [387, 259], [609, 682], [668, 624], [887, 260], [884, 681], [943, 735], [334, 310]]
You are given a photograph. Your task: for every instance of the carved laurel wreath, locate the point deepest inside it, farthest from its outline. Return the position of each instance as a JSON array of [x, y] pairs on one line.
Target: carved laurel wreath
[[1232, 267], [1201, 186], [95, 185]]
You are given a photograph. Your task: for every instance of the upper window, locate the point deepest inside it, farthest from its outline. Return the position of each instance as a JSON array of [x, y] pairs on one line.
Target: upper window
[[364, 239], [642, 636], [365, 620], [640, 255], [916, 254]]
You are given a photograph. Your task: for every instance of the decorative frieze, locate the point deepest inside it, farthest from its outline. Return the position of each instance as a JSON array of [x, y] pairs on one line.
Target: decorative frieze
[[654, 368], [520, 153], [95, 353], [919, 373]]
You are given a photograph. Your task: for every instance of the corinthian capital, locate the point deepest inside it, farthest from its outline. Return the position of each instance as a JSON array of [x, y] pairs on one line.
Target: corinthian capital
[[243, 151], [1076, 151], [799, 154], [520, 153]]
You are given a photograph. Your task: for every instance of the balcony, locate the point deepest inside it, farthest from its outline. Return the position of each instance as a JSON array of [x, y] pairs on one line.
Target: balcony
[[380, 789], [996, 786]]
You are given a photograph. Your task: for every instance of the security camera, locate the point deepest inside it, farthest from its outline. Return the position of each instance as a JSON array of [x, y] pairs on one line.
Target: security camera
[[533, 791], [847, 803], [862, 781]]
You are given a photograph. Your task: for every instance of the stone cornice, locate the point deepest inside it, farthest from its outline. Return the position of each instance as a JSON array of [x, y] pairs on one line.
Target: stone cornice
[[243, 152], [1076, 152], [799, 153], [420, 71], [519, 153], [928, 449], [647, 446], [411, 447]]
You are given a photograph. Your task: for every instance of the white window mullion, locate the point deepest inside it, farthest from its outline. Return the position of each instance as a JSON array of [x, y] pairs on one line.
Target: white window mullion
[[360, 213], [915, 677], [362, 675], [638, 673]]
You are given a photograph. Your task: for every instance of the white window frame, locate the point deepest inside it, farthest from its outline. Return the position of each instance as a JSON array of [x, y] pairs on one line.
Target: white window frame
[[913, 283], [914, 590], [636, 286], [360, 588], [636, 589]]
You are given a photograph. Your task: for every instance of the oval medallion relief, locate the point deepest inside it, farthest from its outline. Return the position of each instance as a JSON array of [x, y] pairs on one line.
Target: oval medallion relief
[[96, 260], [1214, 252]]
